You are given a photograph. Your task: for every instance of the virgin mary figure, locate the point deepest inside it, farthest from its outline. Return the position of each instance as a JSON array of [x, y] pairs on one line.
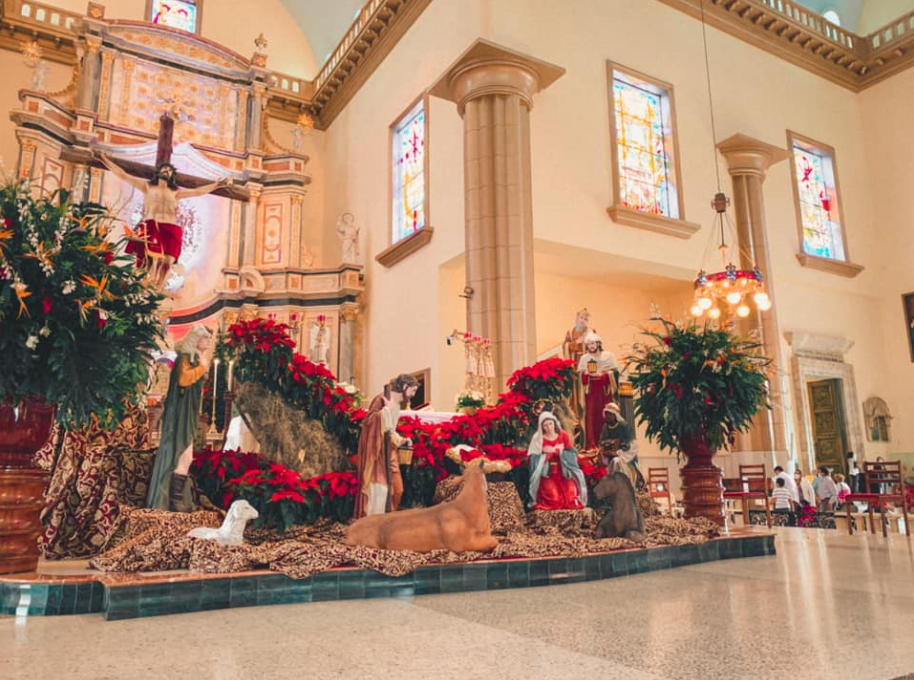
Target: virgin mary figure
[[556, 479]]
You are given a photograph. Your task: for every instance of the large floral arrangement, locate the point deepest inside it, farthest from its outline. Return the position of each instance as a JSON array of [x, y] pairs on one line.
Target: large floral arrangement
[[282, 497], [77, 320], [265, 353], [696, 381]]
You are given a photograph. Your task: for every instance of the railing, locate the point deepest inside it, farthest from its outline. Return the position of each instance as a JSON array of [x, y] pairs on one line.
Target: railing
[[287, 83], [41, 15], [892, 32], [812, 21], [349, 39]]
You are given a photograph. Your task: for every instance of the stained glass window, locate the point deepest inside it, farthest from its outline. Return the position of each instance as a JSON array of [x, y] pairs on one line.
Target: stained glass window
[[181, 14], [818, 201], [409, 187], [644, 146]]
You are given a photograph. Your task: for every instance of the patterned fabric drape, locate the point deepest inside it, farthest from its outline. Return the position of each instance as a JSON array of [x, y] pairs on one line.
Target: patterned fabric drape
[[97, 471]]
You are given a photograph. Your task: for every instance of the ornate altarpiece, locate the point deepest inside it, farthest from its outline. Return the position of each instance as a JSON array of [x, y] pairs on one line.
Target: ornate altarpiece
[[130, 72]]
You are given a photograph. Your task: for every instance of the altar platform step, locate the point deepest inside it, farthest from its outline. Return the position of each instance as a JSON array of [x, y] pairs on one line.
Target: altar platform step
[[53, 590]]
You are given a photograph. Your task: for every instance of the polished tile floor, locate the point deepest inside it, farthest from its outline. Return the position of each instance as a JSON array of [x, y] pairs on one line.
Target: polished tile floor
[[828, 606]]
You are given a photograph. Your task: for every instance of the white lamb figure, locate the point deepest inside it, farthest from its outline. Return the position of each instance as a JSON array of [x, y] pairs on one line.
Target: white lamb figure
[[232, 530]]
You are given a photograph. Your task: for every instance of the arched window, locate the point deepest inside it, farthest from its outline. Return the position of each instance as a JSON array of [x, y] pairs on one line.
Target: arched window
[[832, 16], [182, 14]]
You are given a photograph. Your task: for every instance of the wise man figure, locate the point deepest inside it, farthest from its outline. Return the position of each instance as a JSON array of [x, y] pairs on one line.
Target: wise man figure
[[573, 349], [157, 243], [618, 448], [380, 482], [599, 374]]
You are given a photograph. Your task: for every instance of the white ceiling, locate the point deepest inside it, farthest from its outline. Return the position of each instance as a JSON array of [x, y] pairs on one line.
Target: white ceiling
[[324, 22]]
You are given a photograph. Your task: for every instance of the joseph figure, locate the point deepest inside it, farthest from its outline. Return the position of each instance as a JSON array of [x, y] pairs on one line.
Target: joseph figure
[[380, 482]]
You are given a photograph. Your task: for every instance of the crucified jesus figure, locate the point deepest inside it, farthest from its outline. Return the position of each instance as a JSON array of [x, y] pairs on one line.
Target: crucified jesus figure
[[157, 243]]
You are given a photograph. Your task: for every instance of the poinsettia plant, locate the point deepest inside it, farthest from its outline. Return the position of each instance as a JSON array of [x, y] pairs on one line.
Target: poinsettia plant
[[696, 381], [78, 321]]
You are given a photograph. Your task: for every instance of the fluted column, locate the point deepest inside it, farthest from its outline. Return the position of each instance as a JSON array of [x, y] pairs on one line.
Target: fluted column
[[348, 316], [494, 88], [88, 76], [748, 160]]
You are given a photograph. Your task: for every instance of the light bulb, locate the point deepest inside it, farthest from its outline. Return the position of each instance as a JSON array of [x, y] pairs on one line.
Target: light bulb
[[742, 311], [705, 302], [762, 301], [696, 310], [726, 283], [714, 313], [734, 297], [765, 306]]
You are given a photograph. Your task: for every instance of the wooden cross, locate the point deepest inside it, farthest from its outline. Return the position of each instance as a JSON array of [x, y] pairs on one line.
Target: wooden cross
[[163, 155]]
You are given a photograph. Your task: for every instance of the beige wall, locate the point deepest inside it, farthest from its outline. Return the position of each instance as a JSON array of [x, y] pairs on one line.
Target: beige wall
[[877, 13], [889, 139], [229, 23]]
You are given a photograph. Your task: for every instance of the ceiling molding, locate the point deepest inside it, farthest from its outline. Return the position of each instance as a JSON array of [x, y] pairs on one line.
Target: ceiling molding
[[803, 38]]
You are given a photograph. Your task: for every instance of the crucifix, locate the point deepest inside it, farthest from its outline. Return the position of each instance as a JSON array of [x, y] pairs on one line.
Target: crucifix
[[157, 240]]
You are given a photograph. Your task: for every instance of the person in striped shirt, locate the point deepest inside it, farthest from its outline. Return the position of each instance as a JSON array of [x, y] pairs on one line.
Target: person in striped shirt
[[783, 498]]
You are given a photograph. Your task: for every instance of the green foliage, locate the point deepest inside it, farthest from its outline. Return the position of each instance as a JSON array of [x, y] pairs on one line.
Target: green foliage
[[697, 380], [77, 320]]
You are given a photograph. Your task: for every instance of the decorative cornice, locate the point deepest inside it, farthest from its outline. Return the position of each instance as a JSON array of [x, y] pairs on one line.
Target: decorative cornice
[[839, 267], [405, 247], [656, 223], [805, 39]]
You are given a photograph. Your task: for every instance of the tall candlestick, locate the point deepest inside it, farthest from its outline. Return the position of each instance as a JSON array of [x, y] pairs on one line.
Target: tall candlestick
[[231, 371], [212, 425]]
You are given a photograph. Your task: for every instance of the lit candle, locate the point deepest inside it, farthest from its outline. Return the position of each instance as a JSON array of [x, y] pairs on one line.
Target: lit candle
[[212, 425]]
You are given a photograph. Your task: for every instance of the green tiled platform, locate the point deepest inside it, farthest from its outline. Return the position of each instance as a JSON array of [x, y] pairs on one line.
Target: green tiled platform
[[188, 594]]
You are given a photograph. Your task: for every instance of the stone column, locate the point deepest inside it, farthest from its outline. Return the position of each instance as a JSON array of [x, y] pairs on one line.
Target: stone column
[[348, 316], [257, 103], [88, 76], [249, 228], [493, 88], [748, 160]]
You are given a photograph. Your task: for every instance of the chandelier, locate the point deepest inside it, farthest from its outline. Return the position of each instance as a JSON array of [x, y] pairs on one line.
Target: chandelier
[[732, 288]]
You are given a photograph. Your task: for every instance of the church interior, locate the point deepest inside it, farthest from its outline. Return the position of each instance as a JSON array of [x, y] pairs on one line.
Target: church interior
[[418, 319]]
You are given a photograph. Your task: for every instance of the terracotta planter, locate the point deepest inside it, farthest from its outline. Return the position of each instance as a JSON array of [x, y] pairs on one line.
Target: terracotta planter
[[23, 431], [702, 488]]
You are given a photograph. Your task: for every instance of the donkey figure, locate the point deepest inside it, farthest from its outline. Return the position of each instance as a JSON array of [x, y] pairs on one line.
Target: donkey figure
[[624, 519]]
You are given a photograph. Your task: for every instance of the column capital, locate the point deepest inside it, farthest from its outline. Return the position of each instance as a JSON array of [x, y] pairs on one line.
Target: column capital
[[490, 69], [749, 156]]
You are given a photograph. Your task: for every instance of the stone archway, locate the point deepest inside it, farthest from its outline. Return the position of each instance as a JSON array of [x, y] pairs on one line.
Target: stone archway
[[821, 357]]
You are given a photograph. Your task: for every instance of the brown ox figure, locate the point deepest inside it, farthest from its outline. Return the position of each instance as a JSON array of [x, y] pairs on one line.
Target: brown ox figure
[[459, 526], [624, 519]]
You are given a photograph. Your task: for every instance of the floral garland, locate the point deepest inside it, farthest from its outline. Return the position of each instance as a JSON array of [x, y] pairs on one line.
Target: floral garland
[[264, 352]]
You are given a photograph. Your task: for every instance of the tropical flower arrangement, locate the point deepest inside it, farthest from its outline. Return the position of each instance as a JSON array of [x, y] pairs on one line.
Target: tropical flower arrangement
[[78, 321], [282, 497], [696, 382]]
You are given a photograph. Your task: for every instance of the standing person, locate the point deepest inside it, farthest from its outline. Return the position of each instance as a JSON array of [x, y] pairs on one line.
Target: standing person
[[789, 483], [598, 371], [783, 499], [843, 489], [805, 492], [827, 492], [378, 462], [853, 472], [180, 420]]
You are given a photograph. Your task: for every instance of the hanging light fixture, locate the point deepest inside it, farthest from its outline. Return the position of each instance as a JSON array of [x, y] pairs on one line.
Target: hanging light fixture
[[731, 288]]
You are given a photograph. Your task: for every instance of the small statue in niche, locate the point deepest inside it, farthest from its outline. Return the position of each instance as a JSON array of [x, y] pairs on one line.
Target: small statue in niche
[[348, 231], [32, 53], [319, 342]]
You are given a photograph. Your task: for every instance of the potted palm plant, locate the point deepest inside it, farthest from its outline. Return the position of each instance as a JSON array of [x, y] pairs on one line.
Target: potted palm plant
[[78, 325], [696, 387]]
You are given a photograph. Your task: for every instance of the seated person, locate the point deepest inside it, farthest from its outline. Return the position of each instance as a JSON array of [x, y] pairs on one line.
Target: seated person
[[618, 447], [556, 479], [843, 489]]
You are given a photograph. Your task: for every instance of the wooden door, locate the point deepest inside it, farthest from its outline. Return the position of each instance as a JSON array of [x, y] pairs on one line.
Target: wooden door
[[827, 424]]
